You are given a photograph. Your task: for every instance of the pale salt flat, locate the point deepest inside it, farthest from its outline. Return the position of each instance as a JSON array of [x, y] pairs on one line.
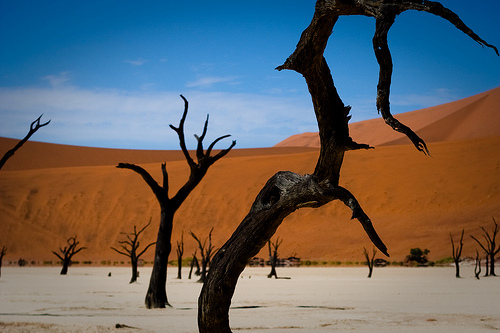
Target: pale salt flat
[[322, 299]]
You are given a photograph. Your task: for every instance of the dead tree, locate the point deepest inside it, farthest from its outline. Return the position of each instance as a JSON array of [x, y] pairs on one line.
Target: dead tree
[[457, 253], [67, 253], [35, 126], [286, 191], [2, 253], [194, 262], [370, 261], [477, 267], [130, 246], [156, 296], [206, 252], [180, 251], [490, 246], [273, 256]]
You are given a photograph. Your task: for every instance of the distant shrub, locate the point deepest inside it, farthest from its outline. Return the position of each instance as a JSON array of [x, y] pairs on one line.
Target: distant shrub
[[417, 257]]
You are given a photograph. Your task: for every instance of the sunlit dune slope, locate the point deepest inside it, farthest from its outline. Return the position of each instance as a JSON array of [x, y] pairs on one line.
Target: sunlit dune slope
[[412, 199], [477, 116]]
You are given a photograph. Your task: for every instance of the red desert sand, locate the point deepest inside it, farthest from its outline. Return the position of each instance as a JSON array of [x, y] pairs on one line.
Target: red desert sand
[[49, 193]]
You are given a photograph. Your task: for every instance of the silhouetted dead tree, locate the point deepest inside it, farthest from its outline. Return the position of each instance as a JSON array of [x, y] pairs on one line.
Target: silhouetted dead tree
[[180, 252], [130, 248], [35, 126], [206, 252], [273, 256], [67, 253], [457, 253], [2, 254], [286, 191], [370, 261], [194, 262], [490, 246], [156, 296], [477, 267]]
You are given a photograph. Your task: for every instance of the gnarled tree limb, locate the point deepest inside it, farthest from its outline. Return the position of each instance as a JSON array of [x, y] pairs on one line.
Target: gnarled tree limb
[[286, 191]]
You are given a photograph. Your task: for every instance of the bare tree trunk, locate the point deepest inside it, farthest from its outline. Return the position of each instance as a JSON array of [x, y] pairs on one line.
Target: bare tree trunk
[[156, 296], [286, 191], [273, 257], [64, 269], [457, 253], [370, 261], [194, 262], [180, 252], [135, 272], [272, 260], [477, 268], [2, 254]]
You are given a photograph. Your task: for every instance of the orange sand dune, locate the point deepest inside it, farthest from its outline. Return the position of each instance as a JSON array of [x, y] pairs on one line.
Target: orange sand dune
[[38, 155], [413, 200], [477, 116]]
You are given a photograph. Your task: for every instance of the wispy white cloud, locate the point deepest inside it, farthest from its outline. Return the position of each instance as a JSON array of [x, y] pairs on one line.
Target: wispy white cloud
[[57, 80], [137, 62], [123, 119], [209, 81]]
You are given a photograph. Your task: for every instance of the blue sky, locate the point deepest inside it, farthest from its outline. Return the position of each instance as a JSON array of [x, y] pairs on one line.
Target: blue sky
[[109, 73]]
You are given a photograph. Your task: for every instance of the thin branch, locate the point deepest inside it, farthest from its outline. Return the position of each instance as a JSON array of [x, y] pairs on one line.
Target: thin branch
[[57, 254], [477, 241], [128, 254], [180, 133], [147, 225], [199, 150], [157, 189], [35, 126], [145, 249]]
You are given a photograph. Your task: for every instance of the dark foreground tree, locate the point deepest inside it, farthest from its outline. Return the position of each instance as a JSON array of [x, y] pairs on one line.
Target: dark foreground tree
[[457, 253], [286, 191], [67, 253], [2, 253], [35, 125], [206, 252], [490, 246], [156, 296], [273, 256], [370, 261], [130, 246], [180, 252]]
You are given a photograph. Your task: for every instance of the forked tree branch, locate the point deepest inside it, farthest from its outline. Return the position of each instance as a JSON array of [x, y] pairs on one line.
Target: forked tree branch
[[35, 126]]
